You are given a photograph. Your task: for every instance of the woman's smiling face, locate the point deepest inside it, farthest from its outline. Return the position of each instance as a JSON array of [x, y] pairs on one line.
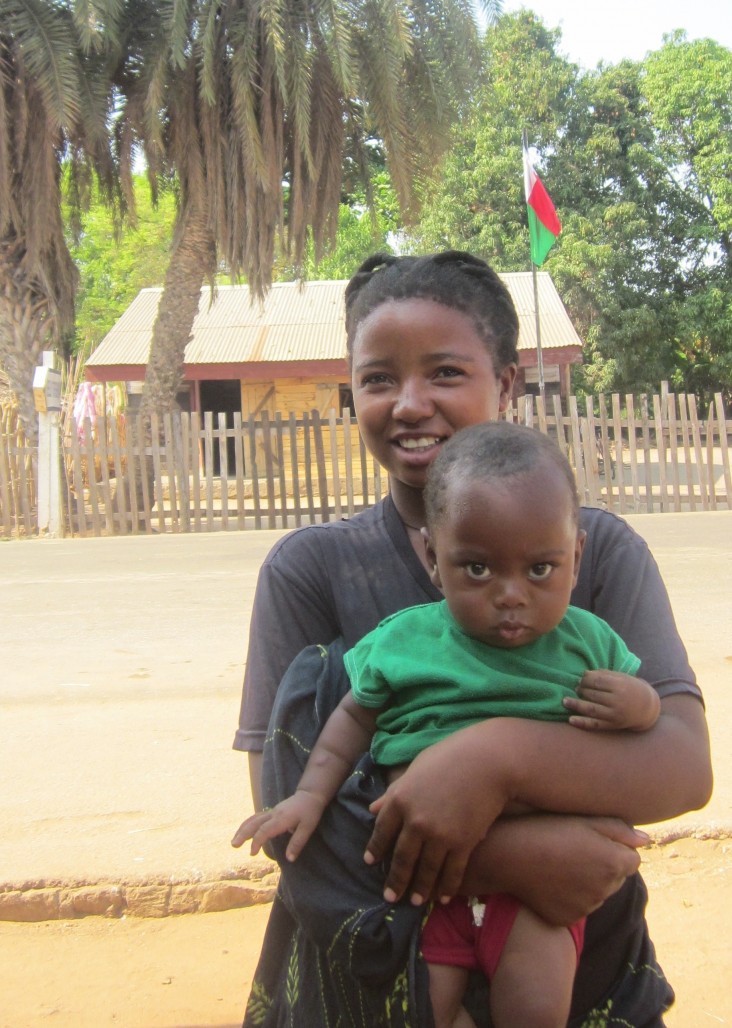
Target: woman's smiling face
[[420, 372]]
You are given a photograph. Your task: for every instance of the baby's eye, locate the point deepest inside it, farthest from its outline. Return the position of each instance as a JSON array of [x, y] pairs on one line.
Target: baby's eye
[[478, 572], [539, 572]]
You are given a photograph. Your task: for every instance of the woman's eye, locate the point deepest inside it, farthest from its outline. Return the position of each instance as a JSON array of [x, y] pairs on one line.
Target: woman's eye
[[377, 378], [540, 571], [478, 572], [449, 372]]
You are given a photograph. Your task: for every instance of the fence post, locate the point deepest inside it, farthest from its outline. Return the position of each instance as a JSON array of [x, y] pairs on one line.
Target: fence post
[[47, 399]]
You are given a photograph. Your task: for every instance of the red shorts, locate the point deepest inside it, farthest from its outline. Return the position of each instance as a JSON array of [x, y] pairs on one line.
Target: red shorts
[[451, 937]]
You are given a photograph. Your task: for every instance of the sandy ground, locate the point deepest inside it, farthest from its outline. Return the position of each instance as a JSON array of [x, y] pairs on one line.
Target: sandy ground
[[195, 970]]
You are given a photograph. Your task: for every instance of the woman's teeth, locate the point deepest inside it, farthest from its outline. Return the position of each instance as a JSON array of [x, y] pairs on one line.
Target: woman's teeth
[[419, 444]]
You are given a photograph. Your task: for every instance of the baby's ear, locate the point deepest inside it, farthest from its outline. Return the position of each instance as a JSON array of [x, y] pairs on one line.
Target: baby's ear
[[431, 559]]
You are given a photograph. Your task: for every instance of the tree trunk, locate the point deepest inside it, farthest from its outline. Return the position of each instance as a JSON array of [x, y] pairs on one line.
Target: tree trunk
[[27, 328], [193, 260]]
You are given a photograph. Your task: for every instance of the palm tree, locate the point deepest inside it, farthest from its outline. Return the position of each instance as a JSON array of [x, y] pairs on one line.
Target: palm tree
[[253, 105], [53, 112]]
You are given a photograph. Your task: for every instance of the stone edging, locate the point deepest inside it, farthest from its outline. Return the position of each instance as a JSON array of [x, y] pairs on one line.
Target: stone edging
[[256, 883], [663, 835], [52, 901]]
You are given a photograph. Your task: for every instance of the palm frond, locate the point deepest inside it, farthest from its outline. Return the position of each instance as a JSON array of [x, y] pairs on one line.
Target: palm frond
[[274, 39], [97, 23], [175, 18], [337, 41], [246, 87], [44, 41]]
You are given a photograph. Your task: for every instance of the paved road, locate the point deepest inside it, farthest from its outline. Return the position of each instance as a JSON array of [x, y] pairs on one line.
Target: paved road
[[122, 663], [120, 682]]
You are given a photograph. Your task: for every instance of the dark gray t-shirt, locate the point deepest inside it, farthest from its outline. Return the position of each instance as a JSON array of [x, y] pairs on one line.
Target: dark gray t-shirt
[[343, 578]]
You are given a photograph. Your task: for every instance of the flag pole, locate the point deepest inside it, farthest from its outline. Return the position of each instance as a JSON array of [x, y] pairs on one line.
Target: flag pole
[[539, 355], [537, 319]]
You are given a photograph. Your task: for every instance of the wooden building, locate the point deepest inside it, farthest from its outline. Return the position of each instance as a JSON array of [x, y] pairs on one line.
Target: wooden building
[[288, 354]]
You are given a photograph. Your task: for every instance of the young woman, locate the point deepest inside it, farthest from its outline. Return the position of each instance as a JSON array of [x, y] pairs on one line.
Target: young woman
[[432, 345]]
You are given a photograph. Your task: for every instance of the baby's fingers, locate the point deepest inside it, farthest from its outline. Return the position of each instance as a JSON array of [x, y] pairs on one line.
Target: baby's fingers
[[248, 829], [299, 838], [593, 717]]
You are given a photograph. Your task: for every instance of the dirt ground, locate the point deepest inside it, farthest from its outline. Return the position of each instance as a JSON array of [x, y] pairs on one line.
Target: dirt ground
[[196, 970]]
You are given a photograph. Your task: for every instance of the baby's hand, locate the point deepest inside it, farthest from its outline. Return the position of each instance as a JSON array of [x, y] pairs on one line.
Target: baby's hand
[[611, 700], [298, 814]]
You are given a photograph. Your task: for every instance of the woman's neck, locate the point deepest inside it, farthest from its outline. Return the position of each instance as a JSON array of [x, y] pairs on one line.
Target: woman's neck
[[409, 505]]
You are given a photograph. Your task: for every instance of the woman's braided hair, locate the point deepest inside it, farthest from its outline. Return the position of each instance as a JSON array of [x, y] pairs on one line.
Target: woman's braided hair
[[453, 279]]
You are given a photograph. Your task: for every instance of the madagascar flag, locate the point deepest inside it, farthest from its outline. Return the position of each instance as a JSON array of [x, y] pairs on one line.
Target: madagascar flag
[[544, 225]]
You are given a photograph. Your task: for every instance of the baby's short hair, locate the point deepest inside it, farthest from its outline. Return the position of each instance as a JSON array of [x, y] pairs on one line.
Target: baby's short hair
[[493, 449]]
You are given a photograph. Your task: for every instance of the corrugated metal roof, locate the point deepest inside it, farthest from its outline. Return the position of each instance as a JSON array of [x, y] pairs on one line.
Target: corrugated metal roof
[[298, 323], [556, 326]]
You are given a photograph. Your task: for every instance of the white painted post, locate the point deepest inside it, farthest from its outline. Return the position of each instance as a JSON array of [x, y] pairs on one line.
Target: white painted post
[[47, 398]]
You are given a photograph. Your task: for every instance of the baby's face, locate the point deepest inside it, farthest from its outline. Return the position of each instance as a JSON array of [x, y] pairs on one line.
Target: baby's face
[[506, 555]]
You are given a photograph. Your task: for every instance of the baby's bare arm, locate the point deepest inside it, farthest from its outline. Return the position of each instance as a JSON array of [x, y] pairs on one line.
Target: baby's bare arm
[[611, 700], [346, 735]]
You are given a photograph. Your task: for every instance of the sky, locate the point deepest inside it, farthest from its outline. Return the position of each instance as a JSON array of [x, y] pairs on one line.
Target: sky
[[614, 29]]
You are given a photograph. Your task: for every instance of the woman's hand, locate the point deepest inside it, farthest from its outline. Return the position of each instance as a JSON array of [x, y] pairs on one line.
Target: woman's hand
[[434, 815], [561, 866]]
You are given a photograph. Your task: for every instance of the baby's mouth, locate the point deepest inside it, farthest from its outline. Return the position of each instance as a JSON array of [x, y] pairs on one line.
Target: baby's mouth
[[511, 629]]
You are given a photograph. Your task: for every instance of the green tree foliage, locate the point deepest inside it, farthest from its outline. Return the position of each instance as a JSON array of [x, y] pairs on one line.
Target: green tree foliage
[[689, 91], [116, 261], [624, 230], [651, 194], [477, 203], [636, 158]]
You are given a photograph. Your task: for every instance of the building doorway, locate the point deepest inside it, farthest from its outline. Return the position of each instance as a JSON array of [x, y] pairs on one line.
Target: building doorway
[[222, 396]]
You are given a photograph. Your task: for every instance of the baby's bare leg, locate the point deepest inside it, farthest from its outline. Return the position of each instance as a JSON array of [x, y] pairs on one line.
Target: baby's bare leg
[[447, 987], [532, 986]]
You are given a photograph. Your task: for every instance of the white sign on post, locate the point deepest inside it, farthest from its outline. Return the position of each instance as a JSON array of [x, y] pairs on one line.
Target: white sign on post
[[47, 400], [46, 389]]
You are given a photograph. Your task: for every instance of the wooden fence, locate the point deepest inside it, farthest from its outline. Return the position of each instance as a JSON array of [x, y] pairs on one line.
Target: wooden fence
[[186, 473], [18, 462]]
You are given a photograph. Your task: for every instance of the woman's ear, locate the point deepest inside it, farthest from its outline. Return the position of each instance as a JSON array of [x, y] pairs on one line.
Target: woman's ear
[[431, 559], [506, 380]]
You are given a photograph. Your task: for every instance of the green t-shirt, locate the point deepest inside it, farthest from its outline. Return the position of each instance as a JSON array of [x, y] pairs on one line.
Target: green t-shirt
[[433, 679]]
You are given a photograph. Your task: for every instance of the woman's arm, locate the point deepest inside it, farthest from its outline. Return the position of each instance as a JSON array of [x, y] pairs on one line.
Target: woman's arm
[[286, 595], [255, 778], [437, 813], [583, 860]]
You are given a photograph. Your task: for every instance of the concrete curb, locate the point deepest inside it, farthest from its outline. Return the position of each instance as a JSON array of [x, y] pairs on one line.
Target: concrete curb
[[157, 897], [713, 831], [164, 897]]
